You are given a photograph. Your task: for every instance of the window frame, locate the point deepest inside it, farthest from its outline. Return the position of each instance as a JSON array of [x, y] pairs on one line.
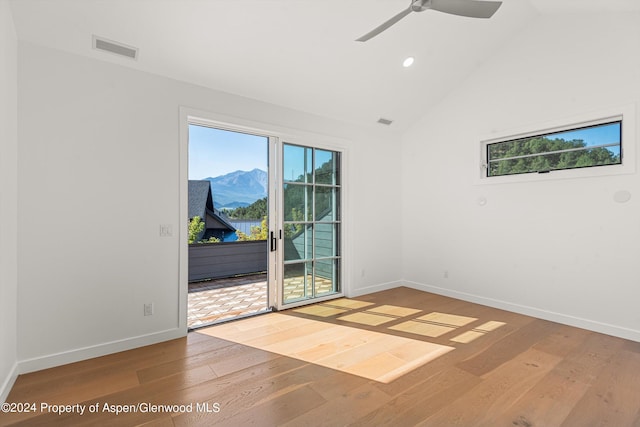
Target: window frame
[[626, 115]]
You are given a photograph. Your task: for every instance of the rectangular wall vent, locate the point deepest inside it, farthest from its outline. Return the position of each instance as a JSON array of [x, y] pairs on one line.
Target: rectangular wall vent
[[384, 121], [100, 43]]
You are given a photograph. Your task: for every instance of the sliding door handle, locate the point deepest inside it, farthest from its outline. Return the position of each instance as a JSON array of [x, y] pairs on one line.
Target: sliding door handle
[[274, 242]]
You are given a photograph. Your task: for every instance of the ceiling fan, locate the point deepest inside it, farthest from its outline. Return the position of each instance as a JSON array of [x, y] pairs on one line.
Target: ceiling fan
[[469, 8]]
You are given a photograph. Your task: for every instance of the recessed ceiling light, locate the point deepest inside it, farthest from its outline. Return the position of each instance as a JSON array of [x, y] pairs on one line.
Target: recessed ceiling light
[[408, 62]]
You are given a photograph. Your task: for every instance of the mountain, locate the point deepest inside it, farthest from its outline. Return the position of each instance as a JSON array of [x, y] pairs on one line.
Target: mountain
[[239, 188]]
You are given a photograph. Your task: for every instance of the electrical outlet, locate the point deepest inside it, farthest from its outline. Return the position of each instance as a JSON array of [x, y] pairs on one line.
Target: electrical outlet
[[148, 309]]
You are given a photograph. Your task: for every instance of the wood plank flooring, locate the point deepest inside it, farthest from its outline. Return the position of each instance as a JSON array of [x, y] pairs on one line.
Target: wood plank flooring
[[373, 355], [505, 369]]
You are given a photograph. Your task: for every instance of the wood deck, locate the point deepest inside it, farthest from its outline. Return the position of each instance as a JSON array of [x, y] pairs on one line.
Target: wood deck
[[505, 369]]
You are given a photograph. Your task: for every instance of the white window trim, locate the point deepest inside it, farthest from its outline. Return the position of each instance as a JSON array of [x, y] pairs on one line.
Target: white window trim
[[626, 114]]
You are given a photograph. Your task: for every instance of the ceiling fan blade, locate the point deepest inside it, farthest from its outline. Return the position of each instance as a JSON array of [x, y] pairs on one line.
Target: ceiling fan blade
[[470, 8], [384, 26]]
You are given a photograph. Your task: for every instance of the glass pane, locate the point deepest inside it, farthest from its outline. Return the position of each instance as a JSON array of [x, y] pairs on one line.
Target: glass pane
[[326, 240], [326, 204], [298, 241], [597, 145], [327, 167], [297, 202], [297, 163], [297, 282], [555, 161], [311, 213], [327, 276]]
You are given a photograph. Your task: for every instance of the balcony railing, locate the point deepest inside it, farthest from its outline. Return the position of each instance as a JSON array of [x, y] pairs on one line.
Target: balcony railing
[[226, 259]]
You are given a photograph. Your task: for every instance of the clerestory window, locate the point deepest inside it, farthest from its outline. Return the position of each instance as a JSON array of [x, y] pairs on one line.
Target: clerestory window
[[590, 145]]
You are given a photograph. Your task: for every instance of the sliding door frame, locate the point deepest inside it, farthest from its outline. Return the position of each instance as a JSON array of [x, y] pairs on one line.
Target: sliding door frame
[[278, 136]]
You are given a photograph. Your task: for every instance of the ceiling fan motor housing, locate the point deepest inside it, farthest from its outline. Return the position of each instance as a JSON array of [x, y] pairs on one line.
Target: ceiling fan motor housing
[[420, 5]]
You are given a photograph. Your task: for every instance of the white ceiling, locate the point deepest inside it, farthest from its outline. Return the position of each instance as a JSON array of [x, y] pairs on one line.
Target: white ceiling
[[296, 53]]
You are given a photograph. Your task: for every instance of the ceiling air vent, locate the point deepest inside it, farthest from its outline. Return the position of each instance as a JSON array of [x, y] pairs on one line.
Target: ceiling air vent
[[100, 43], [384, 121]]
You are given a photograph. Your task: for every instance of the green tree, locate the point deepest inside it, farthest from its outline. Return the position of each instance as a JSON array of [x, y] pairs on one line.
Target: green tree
[[546, 162], [292, 229], [257, 209], [257, 233], [196, 227]]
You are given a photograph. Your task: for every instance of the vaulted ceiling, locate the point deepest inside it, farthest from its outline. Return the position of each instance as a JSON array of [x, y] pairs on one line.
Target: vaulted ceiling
[[296, 53]]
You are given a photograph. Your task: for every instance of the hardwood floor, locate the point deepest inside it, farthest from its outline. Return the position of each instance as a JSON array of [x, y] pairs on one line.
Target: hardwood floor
[[505, 370], [373, 355]]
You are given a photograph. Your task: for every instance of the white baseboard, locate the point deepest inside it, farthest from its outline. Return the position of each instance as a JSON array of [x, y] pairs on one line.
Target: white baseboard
[[592, 325], [76, 355], [8, 383], [374, 288]]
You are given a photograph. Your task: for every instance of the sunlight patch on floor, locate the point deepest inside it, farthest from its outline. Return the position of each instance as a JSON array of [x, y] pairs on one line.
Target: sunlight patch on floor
[[379, 315], [365, 318], [348, 303], [393, 310], [477, 332], [373, 355], [447, 319], [321, 310], [424, 329], [433, 324]]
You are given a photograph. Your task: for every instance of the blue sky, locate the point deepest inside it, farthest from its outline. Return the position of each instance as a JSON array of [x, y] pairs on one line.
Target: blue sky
[[597, 135], [215, 152]]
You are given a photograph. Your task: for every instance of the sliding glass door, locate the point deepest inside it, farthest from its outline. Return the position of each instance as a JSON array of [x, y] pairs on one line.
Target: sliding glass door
[[295, 222], [311, 261]]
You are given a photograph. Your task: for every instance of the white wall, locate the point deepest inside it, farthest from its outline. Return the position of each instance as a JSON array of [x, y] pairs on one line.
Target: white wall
[[8, 200], [562, 249], [99, 172]]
